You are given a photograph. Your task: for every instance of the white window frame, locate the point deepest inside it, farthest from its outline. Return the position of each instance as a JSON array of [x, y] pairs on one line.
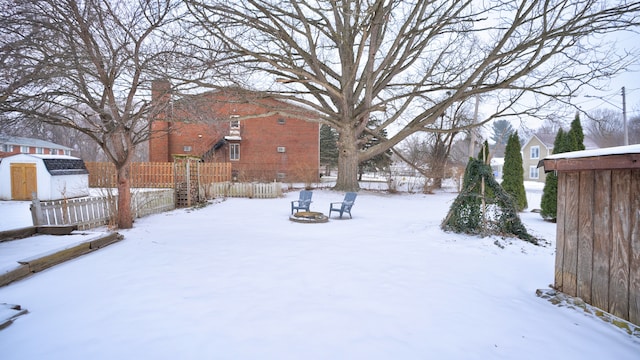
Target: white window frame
[[187, 148], [7, 148], [234, 151], [39, 150], [531, 152], [534, 172], [234, 123], [67, 152], [24, 149]]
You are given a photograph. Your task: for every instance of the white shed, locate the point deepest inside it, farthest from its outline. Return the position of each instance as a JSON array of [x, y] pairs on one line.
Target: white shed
[[51, 177]]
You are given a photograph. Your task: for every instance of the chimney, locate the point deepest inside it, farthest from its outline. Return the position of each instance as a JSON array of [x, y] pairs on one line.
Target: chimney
[[160, 90]]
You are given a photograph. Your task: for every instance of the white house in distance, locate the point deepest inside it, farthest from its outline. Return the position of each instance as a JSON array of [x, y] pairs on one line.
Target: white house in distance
[[50, 177], [537, 148]]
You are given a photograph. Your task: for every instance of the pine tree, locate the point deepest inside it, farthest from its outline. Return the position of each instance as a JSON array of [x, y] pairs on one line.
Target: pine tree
[[513, 175], [328, 148], [501, 130], [549, 201], [379, 162], [576, 135], [470, 212]]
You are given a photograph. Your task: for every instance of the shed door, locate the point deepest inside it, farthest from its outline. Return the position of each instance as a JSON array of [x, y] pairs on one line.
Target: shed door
[[23, 181]]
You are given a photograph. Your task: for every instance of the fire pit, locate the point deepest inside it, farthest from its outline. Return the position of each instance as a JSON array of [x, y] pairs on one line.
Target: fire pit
[[309, 217]]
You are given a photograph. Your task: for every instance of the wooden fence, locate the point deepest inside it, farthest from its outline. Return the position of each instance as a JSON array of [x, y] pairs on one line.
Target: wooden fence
[[91, 212], [250, 190], [154, 174]]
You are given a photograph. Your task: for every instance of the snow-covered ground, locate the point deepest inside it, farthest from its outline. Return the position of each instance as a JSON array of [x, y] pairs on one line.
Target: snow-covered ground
[[238, 280]]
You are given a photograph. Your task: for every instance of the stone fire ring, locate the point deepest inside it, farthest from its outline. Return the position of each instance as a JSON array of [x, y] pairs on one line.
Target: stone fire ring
[[309, 217]]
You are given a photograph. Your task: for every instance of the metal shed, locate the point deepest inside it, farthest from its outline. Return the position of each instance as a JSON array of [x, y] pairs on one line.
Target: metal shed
[[51, 177], [598, 227]]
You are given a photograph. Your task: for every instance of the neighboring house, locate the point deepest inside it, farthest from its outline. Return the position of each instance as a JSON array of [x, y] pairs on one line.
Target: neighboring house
[[497, 166], [244, 128], [11, 145], [537, 148]]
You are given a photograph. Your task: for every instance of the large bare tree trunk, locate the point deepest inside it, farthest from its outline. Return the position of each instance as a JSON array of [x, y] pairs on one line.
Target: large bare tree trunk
[[347, 162], [125, 217]]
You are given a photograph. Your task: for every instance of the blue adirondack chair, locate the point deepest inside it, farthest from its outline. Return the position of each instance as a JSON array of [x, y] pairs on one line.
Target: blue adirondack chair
[[303, 203], [345, 205]]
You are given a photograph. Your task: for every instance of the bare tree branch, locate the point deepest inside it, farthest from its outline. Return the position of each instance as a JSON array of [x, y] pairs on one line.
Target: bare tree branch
[[395, 59]]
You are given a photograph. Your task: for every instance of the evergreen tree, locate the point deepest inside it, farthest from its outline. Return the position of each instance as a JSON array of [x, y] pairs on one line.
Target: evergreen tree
[[575, 135], [328, 148], [549, 202], [501, 130], [483, 154], [379, 162], [470, 212], [513, 174]]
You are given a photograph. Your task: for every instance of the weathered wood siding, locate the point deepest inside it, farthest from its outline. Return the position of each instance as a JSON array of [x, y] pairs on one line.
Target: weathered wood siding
[[598, 239]]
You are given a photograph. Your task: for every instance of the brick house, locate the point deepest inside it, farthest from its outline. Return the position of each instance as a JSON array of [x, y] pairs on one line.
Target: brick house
[[264, 139], [12, 145]]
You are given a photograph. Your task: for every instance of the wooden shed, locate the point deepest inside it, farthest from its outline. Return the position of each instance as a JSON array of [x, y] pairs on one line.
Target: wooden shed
[[51, 177], [598, 227]]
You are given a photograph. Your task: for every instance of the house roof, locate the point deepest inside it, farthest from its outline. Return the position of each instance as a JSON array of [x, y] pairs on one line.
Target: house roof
[[619, 157], [65, 166], [240, 95], [549, 138], [24, 141]]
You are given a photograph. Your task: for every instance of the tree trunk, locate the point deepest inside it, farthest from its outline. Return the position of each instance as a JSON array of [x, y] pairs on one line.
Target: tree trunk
[[347, 162], [124, 215]]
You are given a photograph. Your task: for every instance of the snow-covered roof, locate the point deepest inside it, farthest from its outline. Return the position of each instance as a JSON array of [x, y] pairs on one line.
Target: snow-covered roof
[[23, 141], [617, 150], [618, 157], [497, 161]]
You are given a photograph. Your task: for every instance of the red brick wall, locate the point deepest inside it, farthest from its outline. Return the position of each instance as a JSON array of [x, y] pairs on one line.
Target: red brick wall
[[205, 120]]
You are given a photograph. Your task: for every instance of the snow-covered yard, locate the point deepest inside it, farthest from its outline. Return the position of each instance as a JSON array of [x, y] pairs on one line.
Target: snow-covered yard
[[238, 280]]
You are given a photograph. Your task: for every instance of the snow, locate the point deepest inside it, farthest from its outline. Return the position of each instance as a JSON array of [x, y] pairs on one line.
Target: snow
[[616, 150], [238, 280]]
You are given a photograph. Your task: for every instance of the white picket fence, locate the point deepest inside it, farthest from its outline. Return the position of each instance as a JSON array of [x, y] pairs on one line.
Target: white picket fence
[[95, 211], [250, 190]]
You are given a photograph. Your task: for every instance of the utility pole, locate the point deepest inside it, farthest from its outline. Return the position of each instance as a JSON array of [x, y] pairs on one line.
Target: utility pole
[[624, 118]]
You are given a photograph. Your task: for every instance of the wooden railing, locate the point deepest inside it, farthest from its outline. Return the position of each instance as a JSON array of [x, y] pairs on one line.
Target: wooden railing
[[250, 190], [154, 174], [95, 211]]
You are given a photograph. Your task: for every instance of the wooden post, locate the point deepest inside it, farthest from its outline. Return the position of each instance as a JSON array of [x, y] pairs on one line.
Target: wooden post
[[36, 210]]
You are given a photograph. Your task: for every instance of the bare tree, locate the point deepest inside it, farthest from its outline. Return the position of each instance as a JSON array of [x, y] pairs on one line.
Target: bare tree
[[394, 60], [88, 65], [604, 127], [432, 153]]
